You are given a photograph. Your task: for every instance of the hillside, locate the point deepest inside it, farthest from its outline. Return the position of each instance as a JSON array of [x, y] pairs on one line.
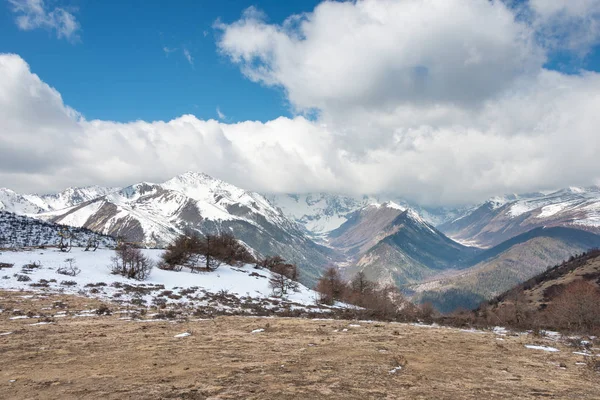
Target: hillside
[[21, 231], [504, 266], [539, 291], [230, 289], [394, 245], [500, 219]]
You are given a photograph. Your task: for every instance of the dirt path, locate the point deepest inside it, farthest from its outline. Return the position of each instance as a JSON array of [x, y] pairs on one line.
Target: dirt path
[[83, 355]]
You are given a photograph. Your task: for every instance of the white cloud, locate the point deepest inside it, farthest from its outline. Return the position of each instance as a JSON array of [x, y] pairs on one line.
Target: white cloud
[[220, 114], [437, 101], [188, 56], [168, 50], [33, 14], [567, 24], [381, 53]]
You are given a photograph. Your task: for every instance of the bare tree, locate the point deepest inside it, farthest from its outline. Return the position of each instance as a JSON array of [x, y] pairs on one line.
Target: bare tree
[[331, 287], [284, 279], [92, 243], [131, 263]]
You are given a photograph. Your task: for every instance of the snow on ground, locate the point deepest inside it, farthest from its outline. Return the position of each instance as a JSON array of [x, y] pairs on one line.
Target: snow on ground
[[245, 282], [544, 348]]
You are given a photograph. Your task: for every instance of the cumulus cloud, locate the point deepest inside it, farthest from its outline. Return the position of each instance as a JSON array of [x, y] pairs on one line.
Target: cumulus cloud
[[34, 14], [380, 53], [440, 102]]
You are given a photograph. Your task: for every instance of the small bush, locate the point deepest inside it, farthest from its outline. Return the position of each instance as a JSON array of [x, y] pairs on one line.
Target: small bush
[[22, 278], [103, 310], [68, 283], [70, 269], [32, 265]]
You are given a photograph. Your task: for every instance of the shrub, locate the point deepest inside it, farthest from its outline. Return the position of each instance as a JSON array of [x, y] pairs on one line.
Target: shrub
[[22, 278], [103, 310], [576, 308], [131, 263], [70, 269], [284, 279]]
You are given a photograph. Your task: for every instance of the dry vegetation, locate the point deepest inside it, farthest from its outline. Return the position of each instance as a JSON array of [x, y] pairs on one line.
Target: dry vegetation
[[565, 297], [101, 355]]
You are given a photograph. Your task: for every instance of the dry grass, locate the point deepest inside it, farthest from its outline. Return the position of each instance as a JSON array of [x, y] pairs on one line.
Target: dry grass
[[107, 357]]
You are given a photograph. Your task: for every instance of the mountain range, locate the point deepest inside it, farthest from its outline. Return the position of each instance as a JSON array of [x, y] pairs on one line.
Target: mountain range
[[502, 218], [432, 253]]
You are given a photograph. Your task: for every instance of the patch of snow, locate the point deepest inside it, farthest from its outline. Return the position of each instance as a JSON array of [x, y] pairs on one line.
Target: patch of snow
[[5, 333], [548, 211], [394, 370], [258, 330], [184, 334], [544, 348]]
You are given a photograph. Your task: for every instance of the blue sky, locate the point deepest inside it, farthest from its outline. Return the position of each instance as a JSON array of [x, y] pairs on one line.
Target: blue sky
[[119, 71], [118, 68]]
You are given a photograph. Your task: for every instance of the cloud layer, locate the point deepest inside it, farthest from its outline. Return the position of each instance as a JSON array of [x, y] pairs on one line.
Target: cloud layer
[[438, 101]]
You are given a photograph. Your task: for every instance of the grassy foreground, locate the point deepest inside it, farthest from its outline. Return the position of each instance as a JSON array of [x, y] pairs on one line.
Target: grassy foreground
[[85, 355]]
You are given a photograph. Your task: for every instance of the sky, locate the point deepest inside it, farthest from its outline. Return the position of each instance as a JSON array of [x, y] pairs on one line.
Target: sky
[[441, 102]]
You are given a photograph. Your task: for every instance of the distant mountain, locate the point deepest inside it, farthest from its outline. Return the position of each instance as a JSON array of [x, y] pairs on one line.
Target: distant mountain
[[17, 203], [318, 213], [391, 244], [500, 219], [29, 204], [20, 231], [69, 197], [504, 266], [156, 213], [321, 213]]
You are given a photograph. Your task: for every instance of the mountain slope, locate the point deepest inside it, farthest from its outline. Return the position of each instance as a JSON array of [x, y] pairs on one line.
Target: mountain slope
[[539, 291], [504, 266], [156, 213], [21, 231], [393, 245], [500, 219]]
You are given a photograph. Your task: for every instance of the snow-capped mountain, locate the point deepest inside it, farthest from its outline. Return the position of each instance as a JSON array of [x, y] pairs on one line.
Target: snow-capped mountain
[[17, 203], [68, 197], [29, 204], [320, 213], [156, 213], [500, 219]]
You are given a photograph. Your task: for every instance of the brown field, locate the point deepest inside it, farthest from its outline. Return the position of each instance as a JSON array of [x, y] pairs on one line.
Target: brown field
[[104, 357]]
